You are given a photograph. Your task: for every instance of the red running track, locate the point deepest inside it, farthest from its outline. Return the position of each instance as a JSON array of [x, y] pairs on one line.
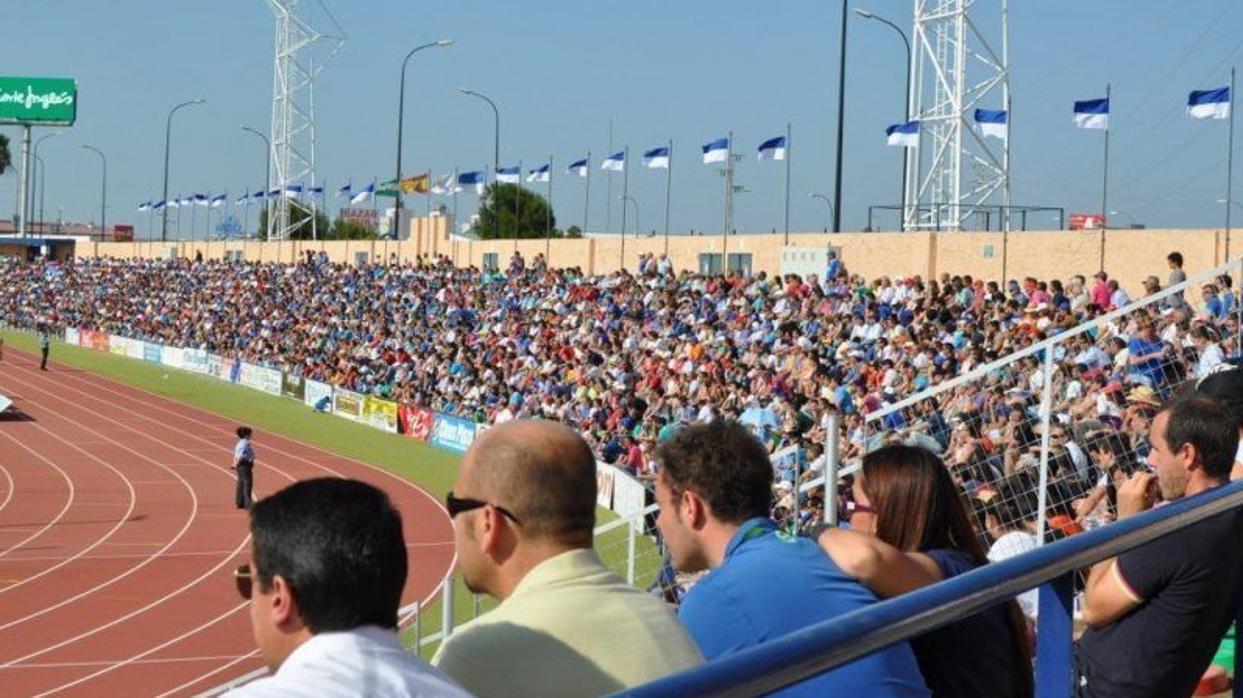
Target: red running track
[[118, 536]]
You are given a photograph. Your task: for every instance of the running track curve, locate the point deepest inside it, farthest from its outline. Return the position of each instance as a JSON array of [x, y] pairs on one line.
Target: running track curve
[[118, 536]]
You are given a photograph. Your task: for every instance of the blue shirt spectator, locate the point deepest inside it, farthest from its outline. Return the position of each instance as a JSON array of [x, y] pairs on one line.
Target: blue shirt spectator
[[737, 605]]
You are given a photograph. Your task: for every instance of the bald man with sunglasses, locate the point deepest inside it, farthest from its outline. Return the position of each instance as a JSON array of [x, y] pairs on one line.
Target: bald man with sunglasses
[[327, 567], [523, 509]]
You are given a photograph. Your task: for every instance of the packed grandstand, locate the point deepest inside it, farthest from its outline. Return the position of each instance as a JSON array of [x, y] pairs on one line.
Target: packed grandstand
[[626, 358]]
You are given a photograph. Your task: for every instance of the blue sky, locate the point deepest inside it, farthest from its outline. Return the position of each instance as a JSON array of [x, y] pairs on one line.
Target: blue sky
[[689, 70]]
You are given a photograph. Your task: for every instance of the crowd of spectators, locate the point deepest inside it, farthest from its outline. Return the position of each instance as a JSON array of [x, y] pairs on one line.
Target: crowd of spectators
[[626, 358]]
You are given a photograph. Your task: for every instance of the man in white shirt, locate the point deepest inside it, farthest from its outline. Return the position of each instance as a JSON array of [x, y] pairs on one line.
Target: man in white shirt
[[327, 568]]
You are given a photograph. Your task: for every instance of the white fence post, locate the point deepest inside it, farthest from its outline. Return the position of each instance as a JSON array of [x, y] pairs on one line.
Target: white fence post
[[1046, 421], [446, 608], [832, 461], [630, 547]]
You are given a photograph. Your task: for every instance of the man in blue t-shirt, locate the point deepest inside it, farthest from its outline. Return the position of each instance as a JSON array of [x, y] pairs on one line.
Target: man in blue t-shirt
[[715, 491], [1147, 355]]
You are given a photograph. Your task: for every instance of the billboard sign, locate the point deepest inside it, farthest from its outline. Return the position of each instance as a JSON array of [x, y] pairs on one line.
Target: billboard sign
[[1086, 221], [45, 101], [364, 216]]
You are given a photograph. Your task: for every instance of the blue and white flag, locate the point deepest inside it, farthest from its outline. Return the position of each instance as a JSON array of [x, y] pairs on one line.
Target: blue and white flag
[[509, 175], [772, 149], [657, 158], [1209, 104], [257, 195], [578, 168], [991, 122], [475, 177], [243, 200], [293, 191], [145, 206], [174, 203], [200, 200], [716, 151], [903, 135], [615, 162], [219, 200], [441, 185], [158, 205], [540, 174], [1092, 113], [317, 191], [274, 193], [366, 193], [347, 191]]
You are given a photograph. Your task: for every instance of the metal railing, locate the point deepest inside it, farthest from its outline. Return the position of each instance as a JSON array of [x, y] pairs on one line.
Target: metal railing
[[829, 644]]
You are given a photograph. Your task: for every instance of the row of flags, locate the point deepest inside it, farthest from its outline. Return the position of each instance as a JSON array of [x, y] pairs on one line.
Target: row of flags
[[1088, 113], [713, 151]]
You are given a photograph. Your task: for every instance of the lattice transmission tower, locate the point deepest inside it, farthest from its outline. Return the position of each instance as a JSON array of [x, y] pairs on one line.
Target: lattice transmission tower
[[307, 37], [957, 67]]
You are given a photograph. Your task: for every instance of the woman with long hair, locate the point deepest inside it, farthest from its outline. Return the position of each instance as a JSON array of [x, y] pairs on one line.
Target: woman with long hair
[[910, 528]]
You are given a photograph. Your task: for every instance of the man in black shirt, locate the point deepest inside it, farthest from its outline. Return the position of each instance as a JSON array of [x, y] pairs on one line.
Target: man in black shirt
[[1156, 613]]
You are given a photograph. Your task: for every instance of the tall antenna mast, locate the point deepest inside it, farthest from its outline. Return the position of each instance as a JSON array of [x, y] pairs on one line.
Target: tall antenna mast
[[307, 38], [955, 69]]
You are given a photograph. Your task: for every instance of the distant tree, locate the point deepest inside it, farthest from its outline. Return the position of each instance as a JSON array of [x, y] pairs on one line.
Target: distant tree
[[502, 204], [343, 229], [298, 212], [574, 232]]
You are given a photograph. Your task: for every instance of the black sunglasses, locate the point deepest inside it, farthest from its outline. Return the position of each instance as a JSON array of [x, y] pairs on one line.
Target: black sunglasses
[[457, 505]]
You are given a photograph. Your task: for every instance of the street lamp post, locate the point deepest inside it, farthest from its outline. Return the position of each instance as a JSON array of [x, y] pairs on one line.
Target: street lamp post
[[168, 130], [906, 114], [39, 171], [401, 105], [267, 177], [103, 197], [632, 200], [841, 125], [1124, 213], [496, 113], [825, 199], [42, 180]]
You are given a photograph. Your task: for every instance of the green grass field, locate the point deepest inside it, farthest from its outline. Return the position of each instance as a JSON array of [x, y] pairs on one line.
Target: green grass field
[[413, 460]]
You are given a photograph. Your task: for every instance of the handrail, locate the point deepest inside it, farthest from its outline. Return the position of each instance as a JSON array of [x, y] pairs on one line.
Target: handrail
[[829, 644]]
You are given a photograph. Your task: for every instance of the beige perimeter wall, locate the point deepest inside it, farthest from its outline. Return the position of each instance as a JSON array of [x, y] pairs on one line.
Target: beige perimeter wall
[[1129, 255]]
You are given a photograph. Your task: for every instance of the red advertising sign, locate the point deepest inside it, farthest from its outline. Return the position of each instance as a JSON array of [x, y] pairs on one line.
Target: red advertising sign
[[1086, 221], [415, 422], [366, 216]]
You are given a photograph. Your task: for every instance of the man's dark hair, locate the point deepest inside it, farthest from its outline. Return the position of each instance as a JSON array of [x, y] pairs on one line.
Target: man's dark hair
[[1176, 258], [1199, 421], [339, 546], [724, 463]]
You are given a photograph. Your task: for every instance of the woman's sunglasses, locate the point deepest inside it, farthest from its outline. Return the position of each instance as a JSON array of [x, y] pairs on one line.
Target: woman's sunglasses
[[853, 507], [458, 505]]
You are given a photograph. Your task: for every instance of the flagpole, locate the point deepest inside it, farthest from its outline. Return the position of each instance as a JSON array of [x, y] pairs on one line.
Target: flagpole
[[1105, 184], [548, 216], [625, 193], [375, 205], [729, 202], [454, 190], [787, 158], [587, 194], [608, 199], [1230, 165], [517, 206], [668, 193]]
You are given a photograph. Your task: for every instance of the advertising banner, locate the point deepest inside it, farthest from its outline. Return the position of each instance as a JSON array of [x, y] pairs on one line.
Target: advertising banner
[[292, 386], [134, 348], [99, 341], [194, 360], [38, 101], [71, 336], [415, 422], [629, 495], [605, 474], [260, 378], [347, 403], [216, 367], [452, 433], [172, 357], [152, 352], [380, 413], [317, 395], [118, 344]]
